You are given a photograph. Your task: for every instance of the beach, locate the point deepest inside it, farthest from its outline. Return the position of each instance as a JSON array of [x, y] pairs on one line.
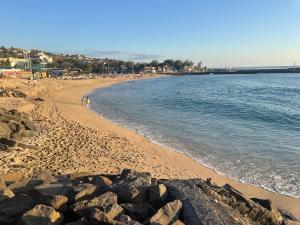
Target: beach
[[71, 138]]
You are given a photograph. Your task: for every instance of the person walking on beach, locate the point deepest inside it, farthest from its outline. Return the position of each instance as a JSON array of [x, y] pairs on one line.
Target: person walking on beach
[[88, 100], [83, 100]]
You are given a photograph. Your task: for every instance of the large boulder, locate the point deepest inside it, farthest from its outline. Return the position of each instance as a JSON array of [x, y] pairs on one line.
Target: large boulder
[[168, 214], [42, 215], [101, 181], [101, 202], [12, 209], [158, 195], [198, 206], [85, 191], [98, 217], [139, 212], [58, 202], [132, 186]]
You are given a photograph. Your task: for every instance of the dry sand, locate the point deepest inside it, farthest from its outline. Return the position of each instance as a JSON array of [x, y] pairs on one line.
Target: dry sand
[[71, 138]]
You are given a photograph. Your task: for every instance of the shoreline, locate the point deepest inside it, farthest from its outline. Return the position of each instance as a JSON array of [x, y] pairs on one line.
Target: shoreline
[[240, 187], [125, 148]]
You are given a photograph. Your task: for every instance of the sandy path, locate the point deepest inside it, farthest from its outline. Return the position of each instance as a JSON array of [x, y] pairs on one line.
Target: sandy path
[[71, 138]]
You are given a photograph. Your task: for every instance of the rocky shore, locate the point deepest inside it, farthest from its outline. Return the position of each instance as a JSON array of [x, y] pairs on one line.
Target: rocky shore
[[14, 126], [129, 198]]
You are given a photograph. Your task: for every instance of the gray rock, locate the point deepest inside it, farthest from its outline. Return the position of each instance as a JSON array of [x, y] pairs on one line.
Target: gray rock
[[101, 181], [42, 215], [132, 186], [168, 214], [158, 195], [58, 202], [198, 207], [12, 209], [101, 202], [139, 212], [85, 191], [100, 218]]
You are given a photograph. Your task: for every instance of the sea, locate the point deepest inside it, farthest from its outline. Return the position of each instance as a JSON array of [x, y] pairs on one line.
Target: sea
[[244, 126]]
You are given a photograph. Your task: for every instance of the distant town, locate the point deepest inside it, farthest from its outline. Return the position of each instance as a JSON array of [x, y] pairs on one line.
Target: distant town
[[18, 62]]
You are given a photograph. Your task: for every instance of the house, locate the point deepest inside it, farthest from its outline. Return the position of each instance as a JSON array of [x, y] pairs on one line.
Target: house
[[150, 69], [16, 61], [44, 58]]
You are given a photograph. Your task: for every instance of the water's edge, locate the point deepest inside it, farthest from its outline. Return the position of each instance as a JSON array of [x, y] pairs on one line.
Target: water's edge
[[163, 145]]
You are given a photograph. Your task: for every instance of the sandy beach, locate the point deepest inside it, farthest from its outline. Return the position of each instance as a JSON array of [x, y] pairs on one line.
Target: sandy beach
[[71, 138]]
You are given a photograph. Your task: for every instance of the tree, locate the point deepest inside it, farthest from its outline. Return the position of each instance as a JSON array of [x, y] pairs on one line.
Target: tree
[[178, 64], [169, 62], [154, 63]]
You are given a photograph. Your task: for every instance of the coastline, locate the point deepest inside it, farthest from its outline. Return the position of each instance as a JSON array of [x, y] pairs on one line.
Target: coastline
[[145, 155]]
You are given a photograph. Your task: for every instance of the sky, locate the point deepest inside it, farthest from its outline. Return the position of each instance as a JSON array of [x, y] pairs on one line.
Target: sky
[[216, 32]]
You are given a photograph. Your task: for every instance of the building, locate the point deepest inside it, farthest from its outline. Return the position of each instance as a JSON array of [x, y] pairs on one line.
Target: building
[[150, 69], [44, 58], [16, 61]]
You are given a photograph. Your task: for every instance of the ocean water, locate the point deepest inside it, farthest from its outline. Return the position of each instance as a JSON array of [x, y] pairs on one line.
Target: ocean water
[[243, 126]]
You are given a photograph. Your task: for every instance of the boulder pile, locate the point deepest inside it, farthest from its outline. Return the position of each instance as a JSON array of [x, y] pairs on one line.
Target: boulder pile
[[11, 92], [14, 126], [131, 198]]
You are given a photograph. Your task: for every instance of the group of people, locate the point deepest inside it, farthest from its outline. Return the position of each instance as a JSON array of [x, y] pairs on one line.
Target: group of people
[[85, 100]]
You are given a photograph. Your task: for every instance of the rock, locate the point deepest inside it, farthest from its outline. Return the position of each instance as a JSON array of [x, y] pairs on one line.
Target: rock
[[168, 214], [178, 222], [85, 191], [42, 215], [5, 195], [61, 187], [29, 125], [158, 195], [82, 221], [58, 202], [132, 186], [12, 209], [127, 220], [101, 202], [24, 186], [266, 203], [80, 177], [113, 211], [199, 207], [5, 131], [287, 215], [101, 181], [139, 212], [100, 218], [2, 184]]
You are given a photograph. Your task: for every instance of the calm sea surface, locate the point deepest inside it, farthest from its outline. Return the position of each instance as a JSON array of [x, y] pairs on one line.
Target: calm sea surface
[[244, 126]]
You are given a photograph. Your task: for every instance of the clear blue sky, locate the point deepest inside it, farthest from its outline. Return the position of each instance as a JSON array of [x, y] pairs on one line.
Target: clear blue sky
[[217, 32]]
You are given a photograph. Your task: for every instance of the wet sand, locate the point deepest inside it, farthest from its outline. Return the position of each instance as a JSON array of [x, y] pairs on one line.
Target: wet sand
[[72, 138]]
